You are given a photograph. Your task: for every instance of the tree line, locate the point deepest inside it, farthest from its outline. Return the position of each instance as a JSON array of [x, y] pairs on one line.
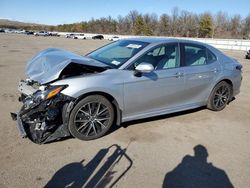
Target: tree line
[[179, 23]]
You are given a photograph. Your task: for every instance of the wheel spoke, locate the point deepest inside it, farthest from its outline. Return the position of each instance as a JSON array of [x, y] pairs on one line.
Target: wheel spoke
[[98, 108], [94, 128], [225, 91], [216, 94], [224, 97], [84, 126], [86, 113], [102, 125], [88, 130], [221, 102], [80, 121], [89, 107], [101, 119], [217, 103], [103, 110]]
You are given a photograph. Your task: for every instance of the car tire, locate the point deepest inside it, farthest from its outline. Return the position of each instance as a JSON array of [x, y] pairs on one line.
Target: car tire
[[220, 96], [91, 118]]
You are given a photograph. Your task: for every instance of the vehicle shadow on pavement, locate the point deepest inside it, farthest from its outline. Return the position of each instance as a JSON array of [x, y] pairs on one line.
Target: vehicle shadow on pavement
[[195, 171], [100, 171]]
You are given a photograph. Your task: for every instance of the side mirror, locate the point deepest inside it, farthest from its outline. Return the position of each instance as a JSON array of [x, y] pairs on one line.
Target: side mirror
[[143, 68]]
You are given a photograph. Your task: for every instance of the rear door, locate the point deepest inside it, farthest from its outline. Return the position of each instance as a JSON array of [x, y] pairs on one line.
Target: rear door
[[201, 70]]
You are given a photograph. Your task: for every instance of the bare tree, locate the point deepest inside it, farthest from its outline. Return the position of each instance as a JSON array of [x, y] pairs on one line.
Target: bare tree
[[246, 27], [222, 25], [164, 25], [174, 21], [235, 26]]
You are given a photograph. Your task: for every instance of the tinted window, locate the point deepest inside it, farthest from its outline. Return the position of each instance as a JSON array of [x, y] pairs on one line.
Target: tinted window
[[195, 55], [162, 57], [210, 57]]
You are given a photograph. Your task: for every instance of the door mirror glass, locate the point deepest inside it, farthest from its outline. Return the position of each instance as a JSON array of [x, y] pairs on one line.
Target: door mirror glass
[[144, 67]]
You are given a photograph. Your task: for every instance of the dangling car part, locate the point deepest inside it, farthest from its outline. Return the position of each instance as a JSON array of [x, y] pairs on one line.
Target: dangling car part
[[68, 94], [41, 116]]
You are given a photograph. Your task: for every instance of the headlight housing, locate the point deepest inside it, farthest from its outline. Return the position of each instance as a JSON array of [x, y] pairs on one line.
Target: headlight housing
[[48, 92]]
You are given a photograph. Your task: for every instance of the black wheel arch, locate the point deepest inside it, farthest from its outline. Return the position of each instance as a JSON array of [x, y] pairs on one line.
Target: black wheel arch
[[112, 100]]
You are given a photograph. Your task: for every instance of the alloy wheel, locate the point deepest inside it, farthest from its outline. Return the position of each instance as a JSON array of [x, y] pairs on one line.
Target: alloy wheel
[[92, 119], [221, 96]]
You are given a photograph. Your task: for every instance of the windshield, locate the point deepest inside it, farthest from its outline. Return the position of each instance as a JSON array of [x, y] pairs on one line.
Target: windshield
[[117, 53]]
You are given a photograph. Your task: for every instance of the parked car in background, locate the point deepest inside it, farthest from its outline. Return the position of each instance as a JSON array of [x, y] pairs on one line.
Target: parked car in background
[[68, 94], [54, 34], [30, 33], [114, 38], [2, 31], [22, 32], [80, 36], [248, 54], [98, 37], [70, 35], [41, 33]]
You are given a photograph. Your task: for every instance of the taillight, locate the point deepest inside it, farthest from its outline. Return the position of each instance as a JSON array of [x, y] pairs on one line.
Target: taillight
[[239, 67]]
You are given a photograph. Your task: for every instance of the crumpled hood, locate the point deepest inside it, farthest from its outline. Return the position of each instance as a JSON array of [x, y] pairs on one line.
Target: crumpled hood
[[47, 65]]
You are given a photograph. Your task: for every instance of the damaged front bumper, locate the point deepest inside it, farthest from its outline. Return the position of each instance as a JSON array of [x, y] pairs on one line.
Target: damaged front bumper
[[42, 118], [20, 126]]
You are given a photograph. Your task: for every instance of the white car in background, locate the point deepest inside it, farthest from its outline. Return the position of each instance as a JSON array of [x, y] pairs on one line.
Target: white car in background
[[41, 33], [114, 38], [70, 35], [80, 36]]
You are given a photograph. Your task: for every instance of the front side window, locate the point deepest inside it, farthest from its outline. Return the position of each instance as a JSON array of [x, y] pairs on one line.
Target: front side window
[[117, 53], [162, 57]]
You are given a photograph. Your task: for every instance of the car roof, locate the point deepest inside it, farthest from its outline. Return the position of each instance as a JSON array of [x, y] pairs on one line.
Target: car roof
[[152, 40]]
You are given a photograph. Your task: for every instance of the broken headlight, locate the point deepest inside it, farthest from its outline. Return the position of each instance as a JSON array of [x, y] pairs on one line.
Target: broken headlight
[[43, 94], [47, 93]]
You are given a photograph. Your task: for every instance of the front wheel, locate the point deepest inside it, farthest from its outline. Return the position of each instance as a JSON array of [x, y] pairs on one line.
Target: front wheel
[[91, 118], [220, 96]]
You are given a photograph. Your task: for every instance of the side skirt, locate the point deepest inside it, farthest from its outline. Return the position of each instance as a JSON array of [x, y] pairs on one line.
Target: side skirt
[[162, 111]]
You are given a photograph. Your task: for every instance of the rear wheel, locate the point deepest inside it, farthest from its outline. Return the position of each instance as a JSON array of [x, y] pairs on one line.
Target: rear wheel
[[220, 96], [91, 118]]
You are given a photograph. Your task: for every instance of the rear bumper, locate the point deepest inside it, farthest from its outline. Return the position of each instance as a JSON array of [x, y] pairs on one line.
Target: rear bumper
[[19, 124]]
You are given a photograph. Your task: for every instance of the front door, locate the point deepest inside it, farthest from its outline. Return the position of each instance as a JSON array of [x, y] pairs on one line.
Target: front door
[[158, 90]]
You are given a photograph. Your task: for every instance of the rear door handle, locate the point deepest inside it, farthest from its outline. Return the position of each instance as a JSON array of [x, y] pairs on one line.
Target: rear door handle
[[179, 74], [215, 70]]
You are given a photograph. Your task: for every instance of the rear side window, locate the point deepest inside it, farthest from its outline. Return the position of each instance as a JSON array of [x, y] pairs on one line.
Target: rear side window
[[210, 57], [195, 55]]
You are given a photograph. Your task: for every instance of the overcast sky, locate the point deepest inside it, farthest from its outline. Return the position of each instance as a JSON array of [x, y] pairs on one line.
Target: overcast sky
[[69, 11]]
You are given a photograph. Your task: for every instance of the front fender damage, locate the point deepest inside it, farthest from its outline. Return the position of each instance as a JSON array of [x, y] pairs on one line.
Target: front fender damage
[[45, 122]]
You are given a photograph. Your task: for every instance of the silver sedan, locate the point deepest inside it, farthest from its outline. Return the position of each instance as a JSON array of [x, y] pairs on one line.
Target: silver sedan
[[68, 94]]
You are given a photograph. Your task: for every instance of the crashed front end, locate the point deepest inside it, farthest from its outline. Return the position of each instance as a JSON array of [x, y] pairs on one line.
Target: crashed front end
[[42, 117]]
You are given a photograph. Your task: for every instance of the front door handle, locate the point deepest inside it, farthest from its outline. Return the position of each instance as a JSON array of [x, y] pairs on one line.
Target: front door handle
[[179, 74]]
